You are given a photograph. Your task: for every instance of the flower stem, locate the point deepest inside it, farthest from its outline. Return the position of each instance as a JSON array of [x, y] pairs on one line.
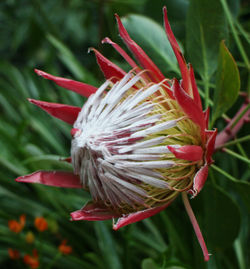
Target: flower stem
[[235, 34], [242, 31], [224, 173], [236, 141], [232, 128], [239, 254], [236, 155], [240, 115], [195, 226]]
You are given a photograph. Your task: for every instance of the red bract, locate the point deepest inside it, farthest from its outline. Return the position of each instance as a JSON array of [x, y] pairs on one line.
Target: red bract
[[138, 141]]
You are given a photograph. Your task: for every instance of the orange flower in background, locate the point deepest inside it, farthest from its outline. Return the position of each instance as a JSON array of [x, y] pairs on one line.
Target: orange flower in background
[[14, 254], [65, 249], [17, 226], [41, 224], [32, 260]]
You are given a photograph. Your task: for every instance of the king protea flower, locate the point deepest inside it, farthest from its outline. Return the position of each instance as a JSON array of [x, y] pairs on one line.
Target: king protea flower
[[138, 141]]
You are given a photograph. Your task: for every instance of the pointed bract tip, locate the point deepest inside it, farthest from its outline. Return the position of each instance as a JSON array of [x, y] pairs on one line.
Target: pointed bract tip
[[108, 68], [165, 13], [43, 74], [52, 178], [90, 49], [37, 71], [174, 82], [115, 227], [19, 179], [68, 159], [32, 101], [36, 102], [107, 40], [63, 112], [118, 19]]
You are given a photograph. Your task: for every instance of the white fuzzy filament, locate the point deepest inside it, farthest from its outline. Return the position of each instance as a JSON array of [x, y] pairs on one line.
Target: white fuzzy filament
[[113, 153]]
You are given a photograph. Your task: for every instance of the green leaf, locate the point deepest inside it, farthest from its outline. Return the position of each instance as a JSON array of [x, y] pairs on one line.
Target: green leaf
[[107, 246], [227, 82], [234, 6], [243, 188], [154, 231], [152, 38], [70, 61], [206, 27], [222, 217], [47, 160], [175, 267], [17, 169]]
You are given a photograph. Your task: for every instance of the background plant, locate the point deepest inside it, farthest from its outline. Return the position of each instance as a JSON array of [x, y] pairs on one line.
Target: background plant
[[54, 36]]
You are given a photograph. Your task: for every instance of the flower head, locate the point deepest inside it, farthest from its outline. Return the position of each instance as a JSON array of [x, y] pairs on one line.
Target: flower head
[[17, 226], [138, 141]]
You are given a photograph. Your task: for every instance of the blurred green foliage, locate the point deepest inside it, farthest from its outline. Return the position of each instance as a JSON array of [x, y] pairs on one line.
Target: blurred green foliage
[[55, 36]]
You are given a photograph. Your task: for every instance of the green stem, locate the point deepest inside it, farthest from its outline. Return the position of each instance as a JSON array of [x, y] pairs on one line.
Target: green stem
[[202, 94], [239, 254], [206, 86], [211, 85], [236, 155], [243, 112], [248, 85], [224, 173], [241, 64], [236, 141], [205, 76], [242, 151], [235, 34], [244, 33], [210, 102]]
